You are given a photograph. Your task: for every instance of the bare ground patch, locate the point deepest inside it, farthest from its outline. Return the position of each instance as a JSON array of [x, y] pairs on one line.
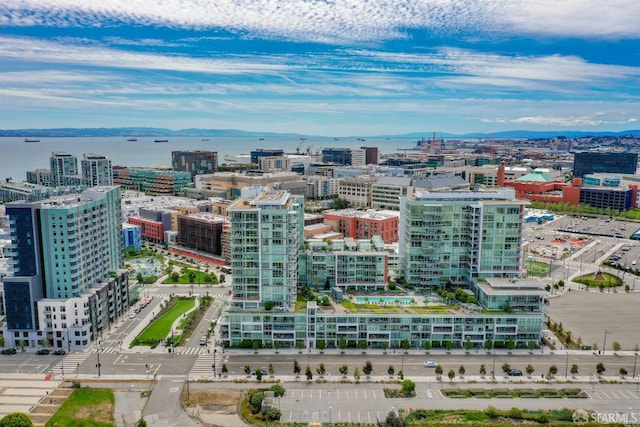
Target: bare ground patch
[[225, 400], [102, 413]]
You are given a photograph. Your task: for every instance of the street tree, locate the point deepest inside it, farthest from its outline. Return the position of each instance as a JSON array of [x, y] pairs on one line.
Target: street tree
[[451, 374], [308, 373], [529, 369], [600, 368], [321, 370], [461, 370], [553, 370], [296, 367], [368, 368], [506, 368], [391, 370], [483, 370], [356, 375], [344, 369], [616, 346], [574, 369]]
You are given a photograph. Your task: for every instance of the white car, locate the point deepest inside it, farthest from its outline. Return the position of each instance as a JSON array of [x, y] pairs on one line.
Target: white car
[[430, 364]]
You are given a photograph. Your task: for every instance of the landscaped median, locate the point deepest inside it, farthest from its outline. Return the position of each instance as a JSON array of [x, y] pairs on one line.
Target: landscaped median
[[162, 326], [514, 393]]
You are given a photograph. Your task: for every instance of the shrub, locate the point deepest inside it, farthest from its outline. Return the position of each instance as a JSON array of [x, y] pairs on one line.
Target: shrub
[[278, 390], [492, 412]]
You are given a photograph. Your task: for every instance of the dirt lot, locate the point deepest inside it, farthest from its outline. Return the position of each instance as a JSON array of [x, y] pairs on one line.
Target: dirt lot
[[589, 314]]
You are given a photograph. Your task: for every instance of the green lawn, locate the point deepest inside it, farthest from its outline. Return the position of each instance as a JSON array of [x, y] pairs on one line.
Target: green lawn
[[159, 330], [537, 268], [86, 407], [200, 277], [605, 280]]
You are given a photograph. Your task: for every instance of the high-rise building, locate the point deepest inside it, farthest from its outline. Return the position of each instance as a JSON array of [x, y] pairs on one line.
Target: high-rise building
[[63, 165], [96, 170], [267, 229], [196, 162], [65, 248], [339, 156], [593, 162], [456, 237]]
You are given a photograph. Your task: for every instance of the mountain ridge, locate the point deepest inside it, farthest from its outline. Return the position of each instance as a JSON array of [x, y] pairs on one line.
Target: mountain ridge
[[151, 132]]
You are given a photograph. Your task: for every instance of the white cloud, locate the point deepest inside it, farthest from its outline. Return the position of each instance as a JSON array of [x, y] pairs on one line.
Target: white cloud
[[344, 21]]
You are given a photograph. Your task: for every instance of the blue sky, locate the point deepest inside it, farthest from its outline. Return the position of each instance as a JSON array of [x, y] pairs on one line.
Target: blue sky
[[322, 67]]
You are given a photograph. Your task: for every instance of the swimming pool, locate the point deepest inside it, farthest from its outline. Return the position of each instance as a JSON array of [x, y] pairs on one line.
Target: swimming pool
[[383, 300]]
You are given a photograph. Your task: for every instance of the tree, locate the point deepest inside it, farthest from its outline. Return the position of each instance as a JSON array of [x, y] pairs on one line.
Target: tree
[[391, 370], [222, 278], [574, 369], [427, 345], [483, 370], [600, 368], [344, 369], [363, 345], [342, 344], [256, 401], [448, 345], [259, 375], [510, 344], [308, 373], [174, 276], [438, 370], [408, 387], [451, 374], [271, 370], [529, 369], [488, 344], [356, 375], [616, 346], [247, 369], [224, 369], [321, 370], [141, 423], [468, 345], [296, 367], [553, 370], [16, 419], [321, 344], [273, 414], [392, 420], [405, 344], [43, 342], [368, 368], [623, 372], [461, 370], [278, 390]]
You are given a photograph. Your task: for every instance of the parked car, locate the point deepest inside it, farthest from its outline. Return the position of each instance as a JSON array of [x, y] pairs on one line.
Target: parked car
[[263, 371], [7, 351], [515, 372], [59, 352], [430, 364], [42, 352]]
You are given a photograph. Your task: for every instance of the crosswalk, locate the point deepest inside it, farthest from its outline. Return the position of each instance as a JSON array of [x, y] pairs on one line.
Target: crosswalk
[[69, 363], [204, 364], [169, 294]]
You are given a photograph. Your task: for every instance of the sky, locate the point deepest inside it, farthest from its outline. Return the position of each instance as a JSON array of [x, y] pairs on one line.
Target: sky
[[321, 67]]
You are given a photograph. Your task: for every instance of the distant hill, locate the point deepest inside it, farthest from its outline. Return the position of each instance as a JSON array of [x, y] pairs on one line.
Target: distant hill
[[520, 134], [146, 131]]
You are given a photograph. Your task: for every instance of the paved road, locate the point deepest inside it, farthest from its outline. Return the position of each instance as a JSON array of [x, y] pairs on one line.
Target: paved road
[[164, 407]]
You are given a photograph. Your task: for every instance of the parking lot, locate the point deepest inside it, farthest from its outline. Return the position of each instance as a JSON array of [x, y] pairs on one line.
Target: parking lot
[[589, 314], [595, 226]]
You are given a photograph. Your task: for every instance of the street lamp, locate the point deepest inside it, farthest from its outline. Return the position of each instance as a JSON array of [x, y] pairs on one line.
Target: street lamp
[[604, 344], [98, 354], [566, 366], [77, 370], [635, 359], [215, 351]]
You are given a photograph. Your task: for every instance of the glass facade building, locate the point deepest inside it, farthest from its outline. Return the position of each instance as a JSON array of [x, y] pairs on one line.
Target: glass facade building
[[591, 162]]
